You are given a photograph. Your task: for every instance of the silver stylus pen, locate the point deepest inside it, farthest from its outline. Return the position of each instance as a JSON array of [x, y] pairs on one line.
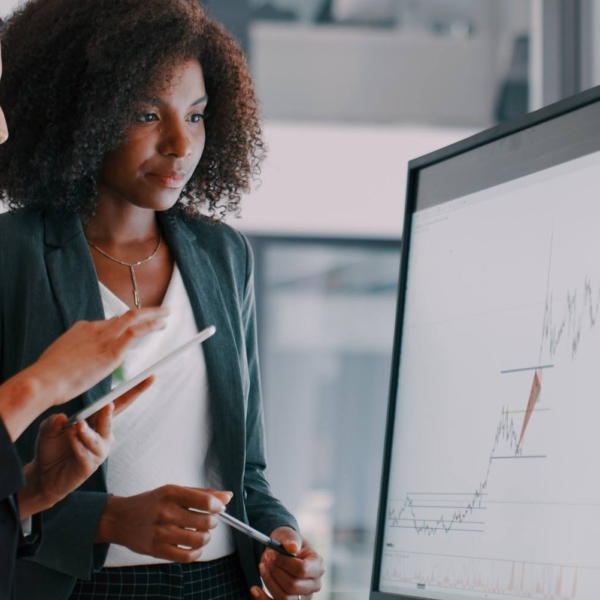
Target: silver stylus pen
[[253, 533]]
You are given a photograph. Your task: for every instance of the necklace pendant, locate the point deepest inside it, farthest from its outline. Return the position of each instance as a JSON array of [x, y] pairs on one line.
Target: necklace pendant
[[136, 294]]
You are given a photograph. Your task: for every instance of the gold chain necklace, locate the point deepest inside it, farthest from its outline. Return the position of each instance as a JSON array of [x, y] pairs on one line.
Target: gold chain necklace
[[136, 291]]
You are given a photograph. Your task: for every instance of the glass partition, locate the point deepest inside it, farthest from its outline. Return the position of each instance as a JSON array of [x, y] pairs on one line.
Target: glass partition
[[326, 320]]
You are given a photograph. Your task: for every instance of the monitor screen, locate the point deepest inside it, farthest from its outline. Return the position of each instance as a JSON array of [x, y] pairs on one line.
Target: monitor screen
[[490, 486]]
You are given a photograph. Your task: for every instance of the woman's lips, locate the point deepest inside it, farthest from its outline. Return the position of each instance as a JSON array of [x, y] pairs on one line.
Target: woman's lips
[[168, 179]]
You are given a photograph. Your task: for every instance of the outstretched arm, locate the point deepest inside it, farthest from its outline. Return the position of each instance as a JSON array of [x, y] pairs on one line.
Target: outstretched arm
[[76, 361]]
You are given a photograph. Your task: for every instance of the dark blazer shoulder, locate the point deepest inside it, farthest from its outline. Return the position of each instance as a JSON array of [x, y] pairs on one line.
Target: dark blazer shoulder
[[225, 245], [20, 228], [219, 234]]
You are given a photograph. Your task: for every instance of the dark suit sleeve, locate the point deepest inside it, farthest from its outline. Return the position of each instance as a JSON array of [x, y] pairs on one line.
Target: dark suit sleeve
[[69, 530], [265, 512], [12, 542], [11, 481], [11, 473], [28, 546]]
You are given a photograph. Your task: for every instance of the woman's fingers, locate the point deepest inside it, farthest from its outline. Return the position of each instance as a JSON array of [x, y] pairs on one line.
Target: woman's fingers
[[122, 402], [259, 594], [52, 426], [185, 518], [273, 586], [80, 450], [289, 577], [179, 555], [306, 567], [198, 498], [104, 421], [291, 584], [176, 536], [97, 441], [224, 497], [133, 318], [134, 332]]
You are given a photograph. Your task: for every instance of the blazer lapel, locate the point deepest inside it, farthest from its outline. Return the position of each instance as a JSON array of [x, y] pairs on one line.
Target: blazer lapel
[[220, 351], [73, 278]]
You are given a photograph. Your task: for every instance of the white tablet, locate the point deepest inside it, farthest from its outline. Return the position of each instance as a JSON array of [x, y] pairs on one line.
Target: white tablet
[[88, 411]]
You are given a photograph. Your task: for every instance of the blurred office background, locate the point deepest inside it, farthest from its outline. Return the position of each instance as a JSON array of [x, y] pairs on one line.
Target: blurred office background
[[352, 90]]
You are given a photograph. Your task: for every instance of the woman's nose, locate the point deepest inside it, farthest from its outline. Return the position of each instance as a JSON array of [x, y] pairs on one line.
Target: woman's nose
[[175, 141]]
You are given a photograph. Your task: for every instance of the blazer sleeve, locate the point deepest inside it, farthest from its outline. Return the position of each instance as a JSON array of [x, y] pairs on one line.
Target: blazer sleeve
[[11, 473], [11, 481], [71, 526], [265, 512], [29, 546]]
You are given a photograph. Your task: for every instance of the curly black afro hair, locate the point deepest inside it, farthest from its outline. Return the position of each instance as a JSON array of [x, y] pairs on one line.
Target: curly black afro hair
[[74, 71]]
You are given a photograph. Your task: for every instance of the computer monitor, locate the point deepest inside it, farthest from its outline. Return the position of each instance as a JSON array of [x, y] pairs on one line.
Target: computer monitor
[[491, 478]]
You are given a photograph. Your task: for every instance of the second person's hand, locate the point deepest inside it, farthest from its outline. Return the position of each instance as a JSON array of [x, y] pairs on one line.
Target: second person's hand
[[76, 361], [66, 457], [92, 350]]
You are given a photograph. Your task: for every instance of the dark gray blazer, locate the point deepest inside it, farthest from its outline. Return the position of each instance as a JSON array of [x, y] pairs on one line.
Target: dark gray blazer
[[47, 283], [12, 542]]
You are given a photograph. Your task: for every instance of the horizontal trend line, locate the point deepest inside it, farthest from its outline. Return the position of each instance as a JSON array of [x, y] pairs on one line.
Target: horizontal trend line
[[438, 494], [494, 559], [526, 369], [436, 520], [447, 531], [520, 456], [438, 506]]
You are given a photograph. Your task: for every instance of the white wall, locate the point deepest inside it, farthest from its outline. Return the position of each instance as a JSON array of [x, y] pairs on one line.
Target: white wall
[[362, 75], [337, 180], [7, 6]]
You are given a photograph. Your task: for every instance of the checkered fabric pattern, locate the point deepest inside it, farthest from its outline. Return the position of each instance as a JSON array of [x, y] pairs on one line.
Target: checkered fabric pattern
[[214, 580]]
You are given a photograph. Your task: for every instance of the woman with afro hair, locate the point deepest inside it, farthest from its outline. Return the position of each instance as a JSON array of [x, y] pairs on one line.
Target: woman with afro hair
[[135, 132]]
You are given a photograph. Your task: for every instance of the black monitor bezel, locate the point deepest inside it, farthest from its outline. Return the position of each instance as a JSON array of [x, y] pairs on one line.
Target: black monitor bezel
[[415, 167]]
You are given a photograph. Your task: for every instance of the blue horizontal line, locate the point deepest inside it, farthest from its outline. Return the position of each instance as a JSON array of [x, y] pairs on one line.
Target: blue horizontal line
[[527, 369]]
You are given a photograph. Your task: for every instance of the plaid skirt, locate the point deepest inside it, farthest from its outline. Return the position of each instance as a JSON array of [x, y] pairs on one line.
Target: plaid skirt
[[213, 580]]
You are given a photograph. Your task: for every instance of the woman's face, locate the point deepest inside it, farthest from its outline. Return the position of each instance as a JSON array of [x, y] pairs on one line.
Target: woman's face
[[3, 125], [163, 145]]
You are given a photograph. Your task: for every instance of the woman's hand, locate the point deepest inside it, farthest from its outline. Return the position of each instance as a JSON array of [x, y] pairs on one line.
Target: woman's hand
[[76, 361], [163, 523], [290, 578], [65, 458], [92, 350]]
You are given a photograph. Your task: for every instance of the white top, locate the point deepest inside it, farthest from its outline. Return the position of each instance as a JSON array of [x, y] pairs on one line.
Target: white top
[[162, 438]]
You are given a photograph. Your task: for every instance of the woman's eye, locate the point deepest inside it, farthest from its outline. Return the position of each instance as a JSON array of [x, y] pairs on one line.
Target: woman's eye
[[146, 117], [197, 117]]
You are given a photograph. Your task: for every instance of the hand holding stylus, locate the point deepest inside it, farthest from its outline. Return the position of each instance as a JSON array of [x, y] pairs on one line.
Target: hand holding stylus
[[172, 522], [287, 577]]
